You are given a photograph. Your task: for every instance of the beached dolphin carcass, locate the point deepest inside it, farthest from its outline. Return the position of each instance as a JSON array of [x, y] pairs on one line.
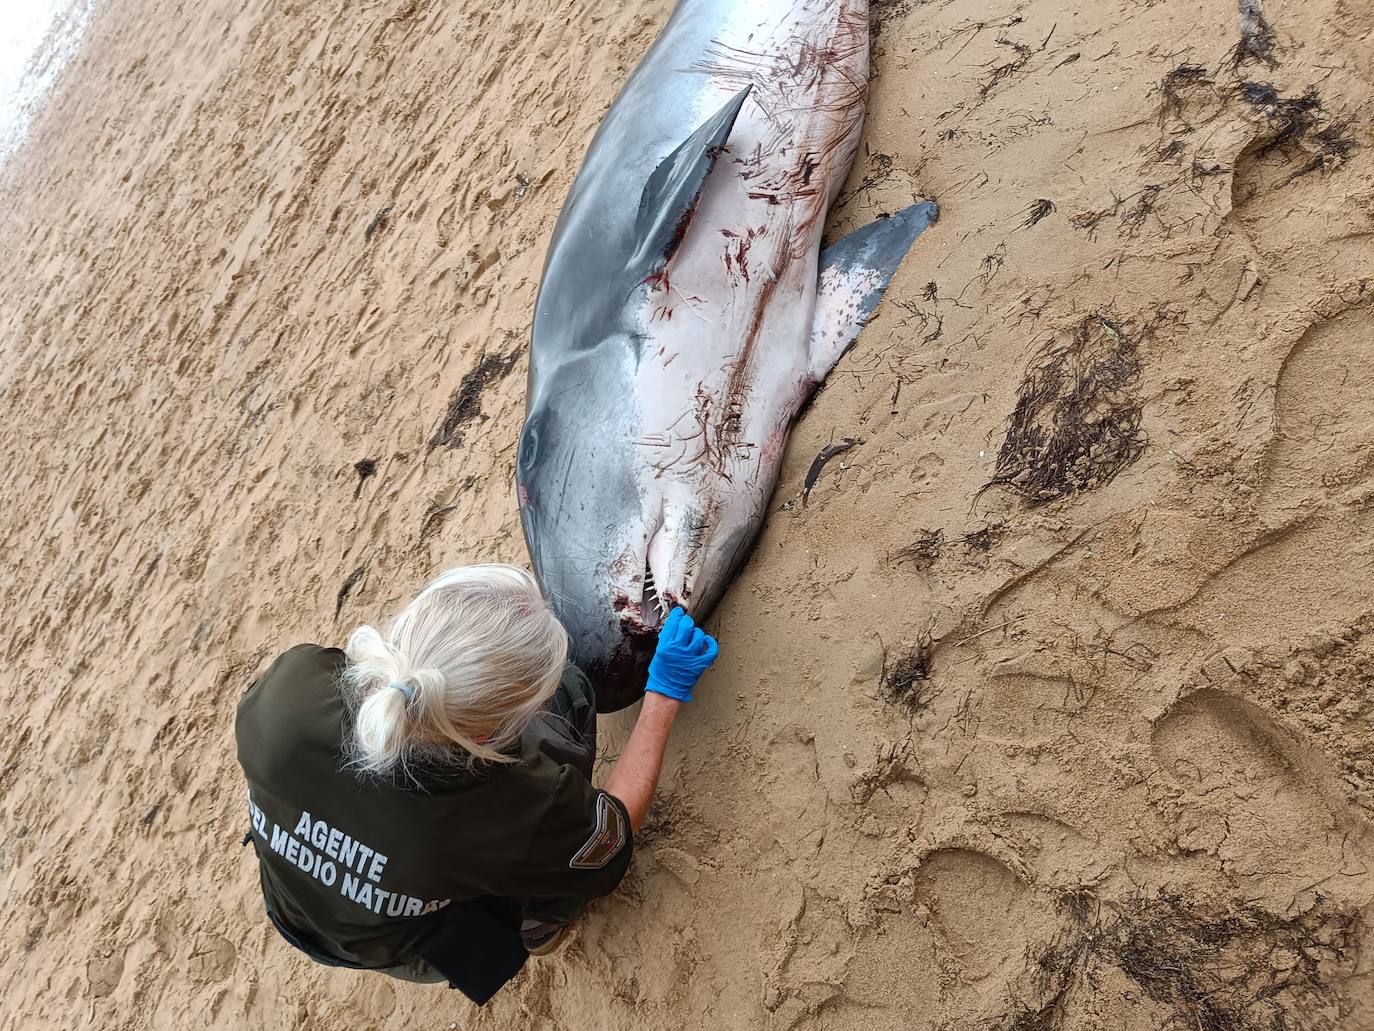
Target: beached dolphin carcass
[[687, 312]]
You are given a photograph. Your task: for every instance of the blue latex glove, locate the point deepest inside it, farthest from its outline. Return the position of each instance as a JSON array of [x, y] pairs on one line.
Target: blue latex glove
[[684, 652]]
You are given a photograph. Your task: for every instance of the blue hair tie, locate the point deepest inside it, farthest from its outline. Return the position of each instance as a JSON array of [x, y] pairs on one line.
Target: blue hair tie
[[405, 689]]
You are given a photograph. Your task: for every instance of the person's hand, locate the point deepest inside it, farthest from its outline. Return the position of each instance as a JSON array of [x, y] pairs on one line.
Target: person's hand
[[684, 652]]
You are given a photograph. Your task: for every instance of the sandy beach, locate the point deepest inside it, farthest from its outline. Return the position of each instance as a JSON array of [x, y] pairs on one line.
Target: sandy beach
[[1052, 708]]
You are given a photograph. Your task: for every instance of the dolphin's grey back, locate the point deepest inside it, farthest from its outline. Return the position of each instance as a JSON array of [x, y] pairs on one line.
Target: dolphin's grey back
[[660, 106]]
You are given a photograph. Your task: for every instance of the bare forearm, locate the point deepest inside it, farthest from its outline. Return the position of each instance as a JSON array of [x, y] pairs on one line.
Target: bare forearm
[[634, 777]]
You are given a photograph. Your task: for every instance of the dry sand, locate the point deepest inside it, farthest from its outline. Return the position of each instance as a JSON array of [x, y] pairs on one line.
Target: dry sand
[[971, 759]]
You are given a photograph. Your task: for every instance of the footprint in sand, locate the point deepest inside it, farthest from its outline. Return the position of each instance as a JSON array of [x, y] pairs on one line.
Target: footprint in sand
[[214, 959], [372, 1002], [814, 947], [984, 914], [799, 799], [1323, 426], [957, 930], [1256, 796], [103, 972]]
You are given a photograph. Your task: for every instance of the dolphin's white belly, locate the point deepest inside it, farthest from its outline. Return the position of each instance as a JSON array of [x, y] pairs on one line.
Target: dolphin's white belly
[[725, 364]]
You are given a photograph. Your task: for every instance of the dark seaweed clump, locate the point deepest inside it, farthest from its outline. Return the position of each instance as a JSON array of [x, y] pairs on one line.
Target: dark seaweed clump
[[1235, 969], [1256, 37], [924, 550], [365, 468], [904, 677], [1037, 211], [1077, 418], [1299, 127], [351, 581], [465, 404]]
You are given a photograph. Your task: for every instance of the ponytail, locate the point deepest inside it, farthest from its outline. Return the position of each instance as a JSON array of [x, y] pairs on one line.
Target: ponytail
[[464, 667], [380, 729]]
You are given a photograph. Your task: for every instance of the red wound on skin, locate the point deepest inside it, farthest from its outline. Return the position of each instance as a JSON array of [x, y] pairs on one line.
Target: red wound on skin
[[736, 256]]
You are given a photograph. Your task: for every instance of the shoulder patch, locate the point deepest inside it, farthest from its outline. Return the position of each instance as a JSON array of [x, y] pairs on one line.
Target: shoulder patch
[[606, 841]]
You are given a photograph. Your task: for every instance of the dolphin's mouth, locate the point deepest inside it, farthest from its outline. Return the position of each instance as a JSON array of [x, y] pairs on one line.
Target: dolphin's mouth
[[641, 605], [654, 607]]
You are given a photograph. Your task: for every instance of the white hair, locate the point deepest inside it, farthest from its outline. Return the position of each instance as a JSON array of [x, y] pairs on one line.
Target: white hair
[[465, 665]]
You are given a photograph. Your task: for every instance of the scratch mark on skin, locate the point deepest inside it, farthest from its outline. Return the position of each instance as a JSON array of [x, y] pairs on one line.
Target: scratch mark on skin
[[708, 434], [736, 388], [808, 107], [809, 75], [736, 256]]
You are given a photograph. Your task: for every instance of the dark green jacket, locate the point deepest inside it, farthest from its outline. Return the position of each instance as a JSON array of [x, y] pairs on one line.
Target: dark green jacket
[[362, 868]]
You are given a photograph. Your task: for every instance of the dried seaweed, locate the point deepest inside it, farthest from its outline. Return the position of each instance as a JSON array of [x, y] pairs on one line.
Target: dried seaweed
[[364, 467], [991, 265], [1175, 87], [1229, 971], [1256, 37], [1001, 72], [1088, 220], [932, 322], [979, 540], [818, 463], [1139, 213], [1239, 968], [1077, 418], [1299, 127], [924, 550], [350, 582], [1292, 119], [379, 221], [904, 678], [1335, 140], [465, 404], [1035, 212]]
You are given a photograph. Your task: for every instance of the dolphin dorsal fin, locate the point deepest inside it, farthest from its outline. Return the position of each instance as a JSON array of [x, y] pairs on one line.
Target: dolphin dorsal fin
[[671, 195], [854, 273]]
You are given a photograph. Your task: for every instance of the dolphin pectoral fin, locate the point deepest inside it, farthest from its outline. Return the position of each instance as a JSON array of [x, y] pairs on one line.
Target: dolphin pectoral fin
[[854, 273], [670, 196]]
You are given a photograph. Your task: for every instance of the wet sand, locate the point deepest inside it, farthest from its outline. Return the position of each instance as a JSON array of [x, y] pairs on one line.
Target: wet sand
[[1054, 706]]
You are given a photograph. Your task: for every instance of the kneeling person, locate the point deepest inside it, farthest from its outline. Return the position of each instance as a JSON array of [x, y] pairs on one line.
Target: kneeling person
[[421, 801]]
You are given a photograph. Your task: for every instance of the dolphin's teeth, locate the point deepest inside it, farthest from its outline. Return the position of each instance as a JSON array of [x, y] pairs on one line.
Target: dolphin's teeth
[[651, 590], [652, 595]]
